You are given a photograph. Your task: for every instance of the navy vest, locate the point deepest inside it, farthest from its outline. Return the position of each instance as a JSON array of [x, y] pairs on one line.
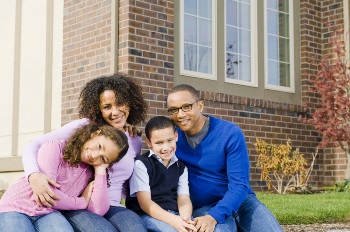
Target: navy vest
[[163, 184]]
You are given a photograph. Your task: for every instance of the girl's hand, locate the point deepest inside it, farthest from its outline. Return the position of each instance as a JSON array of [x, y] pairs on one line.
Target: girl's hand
[[88, 192], [101, 169], [42, 192]]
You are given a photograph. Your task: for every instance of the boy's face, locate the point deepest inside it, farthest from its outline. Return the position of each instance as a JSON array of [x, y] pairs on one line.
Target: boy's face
[[163, 143]]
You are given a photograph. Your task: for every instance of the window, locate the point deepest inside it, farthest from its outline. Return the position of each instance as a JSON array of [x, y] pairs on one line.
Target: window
[[278, 44], [239, 47], [240, 42], [198, 46]]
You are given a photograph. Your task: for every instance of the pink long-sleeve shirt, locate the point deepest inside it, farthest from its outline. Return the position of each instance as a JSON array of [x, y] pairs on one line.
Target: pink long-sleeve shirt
[[118, 174], [73, 181]]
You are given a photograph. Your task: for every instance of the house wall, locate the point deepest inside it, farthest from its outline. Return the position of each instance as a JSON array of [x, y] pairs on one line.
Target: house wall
[[144, 49]]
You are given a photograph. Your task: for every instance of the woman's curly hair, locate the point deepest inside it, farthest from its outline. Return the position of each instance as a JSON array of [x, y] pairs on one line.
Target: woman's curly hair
[[73, 149], [126, 91]]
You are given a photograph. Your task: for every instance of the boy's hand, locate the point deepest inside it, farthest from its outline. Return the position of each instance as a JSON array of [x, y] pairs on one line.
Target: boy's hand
[[88, 192], [182, 224], [205, 223], [42, 192]]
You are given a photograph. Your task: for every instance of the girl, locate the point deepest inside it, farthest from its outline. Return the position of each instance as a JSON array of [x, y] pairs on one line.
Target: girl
[[113, 100], [87, 154]]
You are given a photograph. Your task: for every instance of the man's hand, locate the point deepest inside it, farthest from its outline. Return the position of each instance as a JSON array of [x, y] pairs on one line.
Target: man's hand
[[205, 223], [88, 192], [42, 192]]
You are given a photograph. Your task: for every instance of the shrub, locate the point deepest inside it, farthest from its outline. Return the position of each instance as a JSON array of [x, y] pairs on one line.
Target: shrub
[[287, 166]]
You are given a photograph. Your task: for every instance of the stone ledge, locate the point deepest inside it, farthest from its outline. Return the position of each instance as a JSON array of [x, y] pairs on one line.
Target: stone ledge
[[11, 164]]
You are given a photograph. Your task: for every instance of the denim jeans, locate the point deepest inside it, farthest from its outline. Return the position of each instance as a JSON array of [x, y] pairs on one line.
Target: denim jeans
[[116, 219], [156, 225], [52, 222], [252, 216]]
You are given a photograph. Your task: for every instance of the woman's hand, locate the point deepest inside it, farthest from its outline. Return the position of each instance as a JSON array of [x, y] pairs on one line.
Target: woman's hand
[[42, 192], [88, 192], [132, 130]]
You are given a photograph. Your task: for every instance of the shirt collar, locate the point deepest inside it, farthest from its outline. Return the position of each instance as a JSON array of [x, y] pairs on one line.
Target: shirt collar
[[173, 160]]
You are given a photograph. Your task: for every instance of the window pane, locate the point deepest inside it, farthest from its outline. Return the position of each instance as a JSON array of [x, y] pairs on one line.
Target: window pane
[[284, 50], [231, 65], [190, 7], [272, 48], [190, 29], [231, 39], [283, 28], [238, 37], [204, 9], [204, 60], [204, 32], [272, 4], [284, 75], [244, 13], [244, 39], [272, 22], [190, 57], [231, 13], [244, 68], [273, 73], [278, 54]]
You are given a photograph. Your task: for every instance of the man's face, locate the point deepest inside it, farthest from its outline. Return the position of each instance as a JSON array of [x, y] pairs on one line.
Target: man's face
[[188, 121]]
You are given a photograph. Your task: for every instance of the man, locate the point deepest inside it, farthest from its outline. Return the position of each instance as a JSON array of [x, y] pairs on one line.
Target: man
[[215, 153]]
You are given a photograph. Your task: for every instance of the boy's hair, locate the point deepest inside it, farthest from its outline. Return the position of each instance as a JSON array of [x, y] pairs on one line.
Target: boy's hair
[[157, 123], [185, 87], [126, 91], [74, 146]]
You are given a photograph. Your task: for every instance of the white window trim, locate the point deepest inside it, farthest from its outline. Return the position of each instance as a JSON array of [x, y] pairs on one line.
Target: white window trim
[[290, 89], [254, 49], [184, 72]]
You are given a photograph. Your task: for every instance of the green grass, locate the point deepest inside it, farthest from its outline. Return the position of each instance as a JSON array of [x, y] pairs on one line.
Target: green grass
[[308, 209]]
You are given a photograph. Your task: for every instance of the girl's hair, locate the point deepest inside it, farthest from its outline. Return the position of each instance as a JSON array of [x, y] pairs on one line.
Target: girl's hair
[[74, 146], [158, 123], [127, 93]]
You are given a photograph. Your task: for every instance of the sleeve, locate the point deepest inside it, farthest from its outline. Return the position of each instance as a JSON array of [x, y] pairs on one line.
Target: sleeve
[[29, 156], [183, 183], [238, 177], [99, 202], [139, 180], [49, 165]]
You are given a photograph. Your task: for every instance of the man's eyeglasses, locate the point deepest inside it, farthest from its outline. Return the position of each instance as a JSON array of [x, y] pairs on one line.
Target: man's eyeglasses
[[184, 108]]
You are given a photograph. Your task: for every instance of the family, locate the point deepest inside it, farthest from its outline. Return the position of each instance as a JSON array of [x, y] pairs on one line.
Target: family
[[194, 177]]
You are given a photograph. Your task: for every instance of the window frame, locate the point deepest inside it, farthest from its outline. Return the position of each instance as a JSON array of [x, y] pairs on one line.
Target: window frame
[[213, 75], [254, 50], [290, 89]]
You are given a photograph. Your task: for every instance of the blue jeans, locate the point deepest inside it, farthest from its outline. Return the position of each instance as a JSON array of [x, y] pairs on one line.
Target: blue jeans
[[156, 225], [252, 216], [116, 219], [52, 222]]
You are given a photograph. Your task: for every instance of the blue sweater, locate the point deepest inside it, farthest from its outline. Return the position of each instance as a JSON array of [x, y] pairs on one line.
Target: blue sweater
[[218, 168]]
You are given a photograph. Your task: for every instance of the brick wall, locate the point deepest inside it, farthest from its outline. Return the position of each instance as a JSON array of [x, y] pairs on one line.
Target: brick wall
[[86, 49]]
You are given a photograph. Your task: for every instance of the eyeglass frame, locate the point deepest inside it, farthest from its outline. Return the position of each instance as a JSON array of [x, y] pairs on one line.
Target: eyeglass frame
[[178, 109]]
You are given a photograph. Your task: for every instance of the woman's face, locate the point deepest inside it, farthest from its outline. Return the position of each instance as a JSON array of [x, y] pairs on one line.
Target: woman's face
[[113, 114], [99, 150]]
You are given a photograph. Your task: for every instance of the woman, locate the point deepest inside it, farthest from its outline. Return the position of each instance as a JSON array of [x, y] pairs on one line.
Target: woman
[[87, 154], [114, 100]]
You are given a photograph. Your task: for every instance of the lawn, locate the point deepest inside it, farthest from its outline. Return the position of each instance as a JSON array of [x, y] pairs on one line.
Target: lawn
[[308, 209]]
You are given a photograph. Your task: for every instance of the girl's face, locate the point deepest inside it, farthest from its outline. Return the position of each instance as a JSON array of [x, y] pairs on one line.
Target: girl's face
[[98, 150], [113, 114]]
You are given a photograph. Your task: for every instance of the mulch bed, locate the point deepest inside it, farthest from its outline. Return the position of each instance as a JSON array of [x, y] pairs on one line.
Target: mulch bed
[[331, 227]]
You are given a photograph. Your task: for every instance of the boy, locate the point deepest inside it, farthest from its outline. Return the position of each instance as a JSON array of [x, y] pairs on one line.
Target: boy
[[160, 181]]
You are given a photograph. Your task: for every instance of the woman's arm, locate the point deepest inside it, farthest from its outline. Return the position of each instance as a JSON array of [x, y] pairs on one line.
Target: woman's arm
[[39, 182]]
